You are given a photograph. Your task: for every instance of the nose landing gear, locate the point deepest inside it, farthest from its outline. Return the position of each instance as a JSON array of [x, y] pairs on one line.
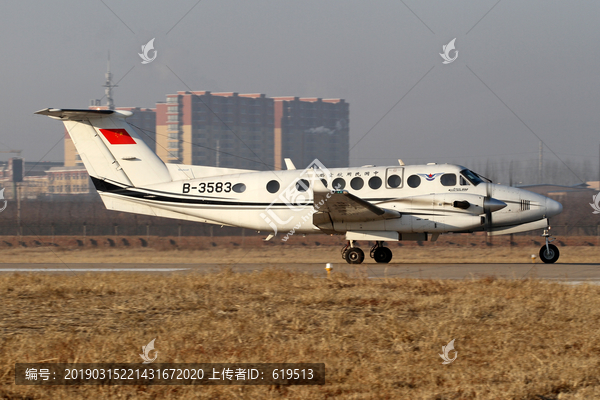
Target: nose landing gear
[[549, 253]]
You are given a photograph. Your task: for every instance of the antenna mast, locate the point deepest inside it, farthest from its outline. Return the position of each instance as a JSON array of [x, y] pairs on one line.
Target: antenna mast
[[110, 104]]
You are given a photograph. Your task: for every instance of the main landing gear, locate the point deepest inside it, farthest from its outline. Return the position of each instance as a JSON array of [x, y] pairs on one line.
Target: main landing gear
[[549, 253], [354, 255]]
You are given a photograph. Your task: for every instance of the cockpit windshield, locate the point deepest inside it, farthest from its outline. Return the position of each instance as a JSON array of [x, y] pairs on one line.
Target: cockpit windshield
[[471, 177]]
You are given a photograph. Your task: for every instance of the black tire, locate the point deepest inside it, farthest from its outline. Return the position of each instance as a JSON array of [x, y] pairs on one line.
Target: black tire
[[551, 256], [355, 256], [382, 255]]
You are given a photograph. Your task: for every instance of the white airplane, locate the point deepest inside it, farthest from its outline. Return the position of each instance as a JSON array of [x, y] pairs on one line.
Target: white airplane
[[390, 203]]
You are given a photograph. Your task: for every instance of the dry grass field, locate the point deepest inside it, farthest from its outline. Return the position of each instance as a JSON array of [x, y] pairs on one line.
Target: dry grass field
[[379, 338]]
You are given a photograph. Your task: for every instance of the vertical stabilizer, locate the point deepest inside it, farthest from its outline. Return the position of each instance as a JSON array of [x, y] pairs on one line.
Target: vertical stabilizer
[[110, 148]]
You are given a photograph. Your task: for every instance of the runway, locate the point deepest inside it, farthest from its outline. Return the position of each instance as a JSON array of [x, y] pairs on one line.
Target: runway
[[563, 272]]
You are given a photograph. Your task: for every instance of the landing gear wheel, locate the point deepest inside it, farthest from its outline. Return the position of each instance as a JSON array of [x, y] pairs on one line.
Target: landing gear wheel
[[549, 255], [355, 255], [345, 250], [382, 255]]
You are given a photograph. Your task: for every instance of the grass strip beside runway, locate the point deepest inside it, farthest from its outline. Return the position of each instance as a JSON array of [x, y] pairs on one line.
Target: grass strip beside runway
[[379, 338]]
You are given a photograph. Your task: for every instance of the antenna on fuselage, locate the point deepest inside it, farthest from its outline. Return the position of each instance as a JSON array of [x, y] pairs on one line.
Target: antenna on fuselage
[[401, 162], [289, 164]]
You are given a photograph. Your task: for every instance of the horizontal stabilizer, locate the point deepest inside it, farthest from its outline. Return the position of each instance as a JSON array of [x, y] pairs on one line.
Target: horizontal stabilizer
[[68, 114]]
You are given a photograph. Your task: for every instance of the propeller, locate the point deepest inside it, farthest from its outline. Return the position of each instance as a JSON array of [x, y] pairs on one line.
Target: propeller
[[490, 205], [487, 209]]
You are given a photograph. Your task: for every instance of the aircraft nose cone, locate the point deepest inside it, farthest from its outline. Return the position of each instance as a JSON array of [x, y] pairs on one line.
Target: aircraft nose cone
[[553, 208], [492, 204]]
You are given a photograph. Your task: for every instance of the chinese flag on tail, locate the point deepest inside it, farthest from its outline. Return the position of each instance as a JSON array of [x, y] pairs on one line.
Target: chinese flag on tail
[[117, 136]]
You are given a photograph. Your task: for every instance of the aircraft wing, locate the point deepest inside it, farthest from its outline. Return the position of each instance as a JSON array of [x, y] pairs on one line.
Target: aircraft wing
[[341, 206]]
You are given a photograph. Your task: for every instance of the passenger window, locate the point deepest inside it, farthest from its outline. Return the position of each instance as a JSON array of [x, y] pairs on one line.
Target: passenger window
[[273, 186], [324, 181], [339, 183], [357, 183], [375, 182], [394, 181], [302, 185], [414, 181], [448, 180], [239, 188]]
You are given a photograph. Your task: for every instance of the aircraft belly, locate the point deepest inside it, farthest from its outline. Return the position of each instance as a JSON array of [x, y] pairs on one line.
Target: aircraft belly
[[461, 222], [259, 218], [392, 225], [506, 218], [119, 204], [251, 217]]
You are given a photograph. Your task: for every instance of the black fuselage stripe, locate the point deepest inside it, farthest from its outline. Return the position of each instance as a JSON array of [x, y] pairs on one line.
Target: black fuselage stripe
[[107, 187]]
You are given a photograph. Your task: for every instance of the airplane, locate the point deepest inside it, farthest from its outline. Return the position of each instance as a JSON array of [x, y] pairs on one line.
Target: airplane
[[369, 203]]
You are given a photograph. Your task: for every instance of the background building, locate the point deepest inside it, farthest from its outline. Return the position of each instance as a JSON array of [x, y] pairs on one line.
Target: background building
[[216, 129], [251, 130], [68, 180], [42, 179], [309, 128]]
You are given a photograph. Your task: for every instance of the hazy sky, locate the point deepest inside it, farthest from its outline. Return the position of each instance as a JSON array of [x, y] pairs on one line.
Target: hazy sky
[[540, 58]]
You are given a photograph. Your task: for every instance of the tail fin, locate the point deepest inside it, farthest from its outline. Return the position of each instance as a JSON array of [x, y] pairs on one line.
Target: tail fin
[[110, 148]]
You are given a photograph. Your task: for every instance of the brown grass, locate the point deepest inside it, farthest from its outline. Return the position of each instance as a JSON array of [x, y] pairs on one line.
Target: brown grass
[[520, 339]]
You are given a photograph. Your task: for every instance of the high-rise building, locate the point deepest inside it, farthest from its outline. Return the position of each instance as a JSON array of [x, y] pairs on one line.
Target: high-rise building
[[309, 128], [216, 129]]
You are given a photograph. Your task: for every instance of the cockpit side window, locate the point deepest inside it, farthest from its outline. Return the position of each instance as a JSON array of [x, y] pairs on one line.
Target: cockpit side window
[[471, 177], [463, 181]]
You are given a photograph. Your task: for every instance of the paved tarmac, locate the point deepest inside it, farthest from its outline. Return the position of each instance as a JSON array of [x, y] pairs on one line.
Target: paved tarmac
[[563, 272]]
